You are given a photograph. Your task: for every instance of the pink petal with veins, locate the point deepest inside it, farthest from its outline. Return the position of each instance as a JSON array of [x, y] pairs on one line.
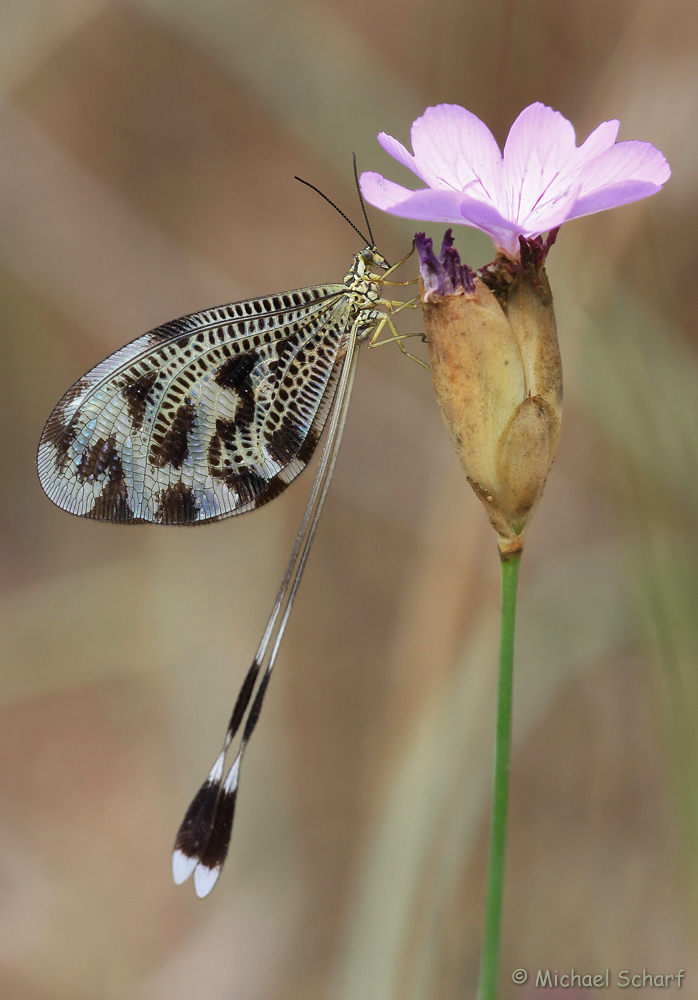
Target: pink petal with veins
[[538, 160], [439, 206], [628, 163], [603, 136], [382, 193], [611, 197], [542, 179], [454, 149], [399, 153]]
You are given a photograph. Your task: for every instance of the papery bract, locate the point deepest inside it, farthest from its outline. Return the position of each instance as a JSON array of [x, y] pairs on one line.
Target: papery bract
[[540, 181], [497, 373]]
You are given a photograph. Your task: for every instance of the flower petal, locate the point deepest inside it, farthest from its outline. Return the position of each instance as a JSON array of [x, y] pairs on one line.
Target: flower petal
[[436, 206], [480, 215], [542, 179], [398, 152], [454, 149], [537, 159], [603, 137], [382, 193], [550, 212], [631, 160], [626, 172], [613, 196]]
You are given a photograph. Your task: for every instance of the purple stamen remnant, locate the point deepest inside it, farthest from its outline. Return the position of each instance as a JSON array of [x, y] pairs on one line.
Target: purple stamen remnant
[[459, 275], [429, 267], [534, 251], [532, 255], [444, 275]]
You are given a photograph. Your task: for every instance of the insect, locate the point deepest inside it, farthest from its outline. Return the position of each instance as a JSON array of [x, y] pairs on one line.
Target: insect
[[212, 415]]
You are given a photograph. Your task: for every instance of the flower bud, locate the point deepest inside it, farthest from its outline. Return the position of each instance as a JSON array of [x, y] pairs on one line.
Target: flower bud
[[497, 373]]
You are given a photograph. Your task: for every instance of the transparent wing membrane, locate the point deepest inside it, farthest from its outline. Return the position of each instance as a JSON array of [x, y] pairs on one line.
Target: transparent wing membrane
[[201, 418]]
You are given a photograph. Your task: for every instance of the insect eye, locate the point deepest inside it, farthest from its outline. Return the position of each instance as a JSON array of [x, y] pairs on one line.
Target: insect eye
[[366, 256]]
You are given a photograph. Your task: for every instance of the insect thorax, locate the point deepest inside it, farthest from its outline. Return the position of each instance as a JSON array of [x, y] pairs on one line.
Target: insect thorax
[[364, 289]]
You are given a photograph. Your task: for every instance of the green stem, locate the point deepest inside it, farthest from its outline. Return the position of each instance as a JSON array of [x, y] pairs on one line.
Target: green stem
[[489, 967]]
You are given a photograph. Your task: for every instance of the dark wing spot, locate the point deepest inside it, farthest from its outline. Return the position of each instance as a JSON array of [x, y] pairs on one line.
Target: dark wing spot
[[216, 849], [60, 432], [174, 447], [223, 438], [275, 487], [196, 825], [247, 485], [225, 431], [305, 453], [101, 458], [233, 372], [62, 436], [177, 505], [137, 395], [112, 505], [214, 450], [245, 413], [284, 443]]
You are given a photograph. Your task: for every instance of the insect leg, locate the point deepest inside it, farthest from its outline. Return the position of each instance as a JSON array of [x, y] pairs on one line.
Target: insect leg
[[401, 336], [396, 266], [387, 321], [396, 305]]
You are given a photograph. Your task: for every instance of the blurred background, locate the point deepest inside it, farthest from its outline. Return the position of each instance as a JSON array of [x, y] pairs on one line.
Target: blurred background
[[147, 154]]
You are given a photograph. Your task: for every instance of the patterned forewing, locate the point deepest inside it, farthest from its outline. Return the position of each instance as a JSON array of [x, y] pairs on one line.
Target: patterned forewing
[[207, 416]]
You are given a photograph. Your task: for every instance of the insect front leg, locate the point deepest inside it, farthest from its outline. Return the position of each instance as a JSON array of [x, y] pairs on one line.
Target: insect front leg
[[382, 279], [412, 281]]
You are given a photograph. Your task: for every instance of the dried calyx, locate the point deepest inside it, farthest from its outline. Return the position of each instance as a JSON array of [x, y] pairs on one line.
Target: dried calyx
[[497, 373]]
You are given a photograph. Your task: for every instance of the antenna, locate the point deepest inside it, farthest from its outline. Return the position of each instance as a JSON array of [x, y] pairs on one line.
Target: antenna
[[361, 199], [345, 217]]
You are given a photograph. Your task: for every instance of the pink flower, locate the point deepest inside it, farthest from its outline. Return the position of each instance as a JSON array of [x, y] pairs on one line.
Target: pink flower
[[542, 179]]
